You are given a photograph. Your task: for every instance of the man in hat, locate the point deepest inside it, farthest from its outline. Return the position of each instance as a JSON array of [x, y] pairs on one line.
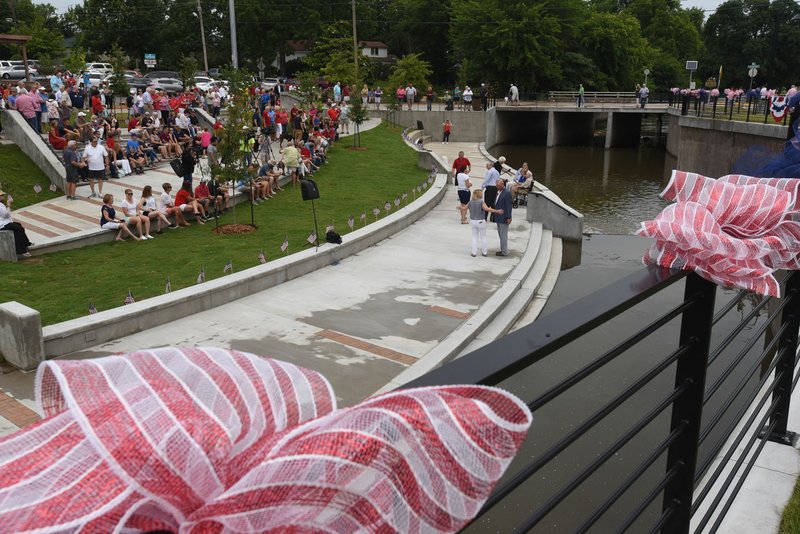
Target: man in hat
[[74, 167]]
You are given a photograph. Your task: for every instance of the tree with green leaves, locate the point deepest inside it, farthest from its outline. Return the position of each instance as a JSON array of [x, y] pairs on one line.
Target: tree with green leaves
[[308, 91], [358, 115], [119, 61], [410, 69], [188, 66]]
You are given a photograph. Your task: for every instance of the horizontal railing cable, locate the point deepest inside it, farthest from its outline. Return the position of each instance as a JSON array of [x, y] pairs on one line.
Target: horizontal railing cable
[[729, 306], [601, 459], [731, 450], [735, 469], [710, 391], [742, 478], [741, 326], [630, 479], [528, 470], [655, 492], [596, 364]]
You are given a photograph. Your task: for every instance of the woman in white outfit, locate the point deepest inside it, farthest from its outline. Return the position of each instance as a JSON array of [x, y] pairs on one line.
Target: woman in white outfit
[[147, 205], [132, 216], [477, 222]]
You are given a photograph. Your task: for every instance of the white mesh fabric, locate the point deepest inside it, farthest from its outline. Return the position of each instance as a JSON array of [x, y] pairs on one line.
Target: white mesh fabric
[[211, 440]]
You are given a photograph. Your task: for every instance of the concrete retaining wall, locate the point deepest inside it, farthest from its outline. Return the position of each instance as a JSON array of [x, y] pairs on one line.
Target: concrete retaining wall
[[21, 336], [78, 334], [467, 126], [711, 147], [19, 131]]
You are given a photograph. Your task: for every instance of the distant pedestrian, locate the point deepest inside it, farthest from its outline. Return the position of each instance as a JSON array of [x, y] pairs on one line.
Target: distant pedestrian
[[447, 127], [513, 95], [466, 96], [490, 180], [581, 100], [429, 97], [411, 92], [502, 216], [477, 221], [644, 94], [484, 97]]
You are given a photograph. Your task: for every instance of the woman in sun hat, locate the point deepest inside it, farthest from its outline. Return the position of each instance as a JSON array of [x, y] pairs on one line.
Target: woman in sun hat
[[21, 241]]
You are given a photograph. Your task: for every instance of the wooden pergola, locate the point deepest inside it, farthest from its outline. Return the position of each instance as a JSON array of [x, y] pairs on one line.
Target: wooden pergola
[[22, 42]]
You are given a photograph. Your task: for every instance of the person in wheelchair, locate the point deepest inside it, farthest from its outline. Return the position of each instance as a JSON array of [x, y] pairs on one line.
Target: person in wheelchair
[[521, 185]]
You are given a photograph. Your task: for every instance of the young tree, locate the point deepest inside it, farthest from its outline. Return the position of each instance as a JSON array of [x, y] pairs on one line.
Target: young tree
[[410, 69], [119, 61], [188, 67], [358, 114], [308, 91]]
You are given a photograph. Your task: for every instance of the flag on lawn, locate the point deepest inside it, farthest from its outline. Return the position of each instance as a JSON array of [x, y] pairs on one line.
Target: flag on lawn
[[261, 257], [228, 267], [387, 206], [168, 286], [350, 222], [396, 201], [363, 215], [405, 197], [312, 237], [285, 244], [329, 228], [37, 189], [202, 276], [53, 188], [375, 211], [92, 309], [129, 299]]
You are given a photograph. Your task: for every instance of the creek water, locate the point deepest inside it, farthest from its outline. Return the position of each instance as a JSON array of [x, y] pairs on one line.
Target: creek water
[[615, 190]]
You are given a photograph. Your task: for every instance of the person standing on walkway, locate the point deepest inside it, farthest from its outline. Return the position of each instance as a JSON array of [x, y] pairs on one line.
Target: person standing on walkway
[[74, 166], [21, 241], [461, 162], [644, 94], [429, 96], [96, 157], [463, 185], [513, 93], [581, 101], [490, 180], [484, 97], [411, 93], [447, 127], [477, 222], [466, 96], [502, 216]]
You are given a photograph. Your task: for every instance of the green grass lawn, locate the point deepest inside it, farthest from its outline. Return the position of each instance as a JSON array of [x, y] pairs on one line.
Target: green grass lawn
[[61, 285], [790, 522], [19, 175]]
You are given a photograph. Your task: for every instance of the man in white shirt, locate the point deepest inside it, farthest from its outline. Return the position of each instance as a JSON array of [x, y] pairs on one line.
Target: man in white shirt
[[96, 157]]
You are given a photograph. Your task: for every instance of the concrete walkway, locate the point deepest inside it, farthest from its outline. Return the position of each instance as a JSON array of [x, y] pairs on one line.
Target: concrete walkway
[[360, 322]]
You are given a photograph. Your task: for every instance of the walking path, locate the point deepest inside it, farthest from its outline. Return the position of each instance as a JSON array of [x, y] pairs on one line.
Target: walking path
[[360, 322]]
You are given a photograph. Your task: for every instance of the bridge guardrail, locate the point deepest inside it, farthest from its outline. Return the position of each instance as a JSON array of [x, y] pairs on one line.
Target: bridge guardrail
[[723, 376]]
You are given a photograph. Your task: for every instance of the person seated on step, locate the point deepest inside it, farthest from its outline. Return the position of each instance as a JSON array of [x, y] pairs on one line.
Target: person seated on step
[[133, 215], [168, 207], [55, 140], [203, 196], [167, 137], [219, 191], [154, 139], [262, 188], [113, 127], [146, 145], [188, 203], [134, 153], [83, 127], [147, 207], [118, 159], [272, 173], [110, 221]]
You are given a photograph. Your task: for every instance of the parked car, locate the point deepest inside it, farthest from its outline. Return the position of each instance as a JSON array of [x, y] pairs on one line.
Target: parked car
[[170, 85], [103, 68], [95, 78], [269, 83], [153, 74], [135, 82], [16, 72]]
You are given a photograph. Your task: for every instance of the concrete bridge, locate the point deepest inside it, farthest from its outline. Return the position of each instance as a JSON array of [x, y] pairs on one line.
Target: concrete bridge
[[545, 124]]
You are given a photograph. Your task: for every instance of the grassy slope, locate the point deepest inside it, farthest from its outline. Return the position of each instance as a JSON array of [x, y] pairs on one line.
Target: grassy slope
[[790, 522], [62, 285], [18, 176]]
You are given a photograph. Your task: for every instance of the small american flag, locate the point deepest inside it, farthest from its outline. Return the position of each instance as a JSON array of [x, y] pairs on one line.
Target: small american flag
[[168, 286], [53, 188], [285, 244], [261, 257], [129, 299], [375, 211], [312, 237], [228, 267], [396, 201], [202, 276], [10, 199], [329, 228], [363, 216], [387, 206], [351, 222], [92, 309], [37, 189]]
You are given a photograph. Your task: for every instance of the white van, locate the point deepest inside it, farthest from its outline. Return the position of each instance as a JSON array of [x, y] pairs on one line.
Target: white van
[[103, 68]]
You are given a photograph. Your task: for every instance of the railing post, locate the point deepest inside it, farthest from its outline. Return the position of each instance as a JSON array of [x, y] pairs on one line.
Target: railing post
[[787, 351], [687, 411]]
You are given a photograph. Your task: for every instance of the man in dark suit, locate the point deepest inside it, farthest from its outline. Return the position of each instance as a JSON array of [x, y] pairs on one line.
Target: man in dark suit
[[502, 215]]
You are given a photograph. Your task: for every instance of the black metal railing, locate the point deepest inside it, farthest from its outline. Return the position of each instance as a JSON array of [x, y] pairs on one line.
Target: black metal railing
[[742, 108], [625, 433]]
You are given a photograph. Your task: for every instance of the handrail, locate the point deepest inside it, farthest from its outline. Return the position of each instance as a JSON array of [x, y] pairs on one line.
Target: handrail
[[500, 362]]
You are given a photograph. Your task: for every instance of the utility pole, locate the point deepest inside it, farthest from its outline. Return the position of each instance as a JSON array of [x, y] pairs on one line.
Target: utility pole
[[202, 36], [355, 38], [234, 50]]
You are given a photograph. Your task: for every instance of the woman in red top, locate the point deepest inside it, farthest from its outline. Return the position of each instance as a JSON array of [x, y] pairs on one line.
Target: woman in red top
[[97, 104], [185, 202], [133, 123], [59, 143]]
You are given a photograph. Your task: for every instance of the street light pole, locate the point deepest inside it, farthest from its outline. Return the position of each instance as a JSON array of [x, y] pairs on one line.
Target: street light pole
[[355, 38], [202, 36], [234, 50]]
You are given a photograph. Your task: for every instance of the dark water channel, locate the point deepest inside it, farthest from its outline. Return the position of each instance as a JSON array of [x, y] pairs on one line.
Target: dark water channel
[[615, 190]]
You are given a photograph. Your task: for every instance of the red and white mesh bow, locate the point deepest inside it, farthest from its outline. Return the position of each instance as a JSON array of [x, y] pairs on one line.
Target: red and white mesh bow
[[735, 231], [213, 440]]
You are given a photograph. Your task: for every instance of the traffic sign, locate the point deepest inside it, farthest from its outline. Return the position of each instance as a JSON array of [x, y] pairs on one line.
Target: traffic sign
[[753, 72], [753, 65], [150, 60]]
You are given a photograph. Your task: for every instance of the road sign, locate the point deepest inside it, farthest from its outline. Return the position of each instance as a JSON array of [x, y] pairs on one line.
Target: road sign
[[753, 72], [753, 65], [691, 65], [150, 60], [646, 72]]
